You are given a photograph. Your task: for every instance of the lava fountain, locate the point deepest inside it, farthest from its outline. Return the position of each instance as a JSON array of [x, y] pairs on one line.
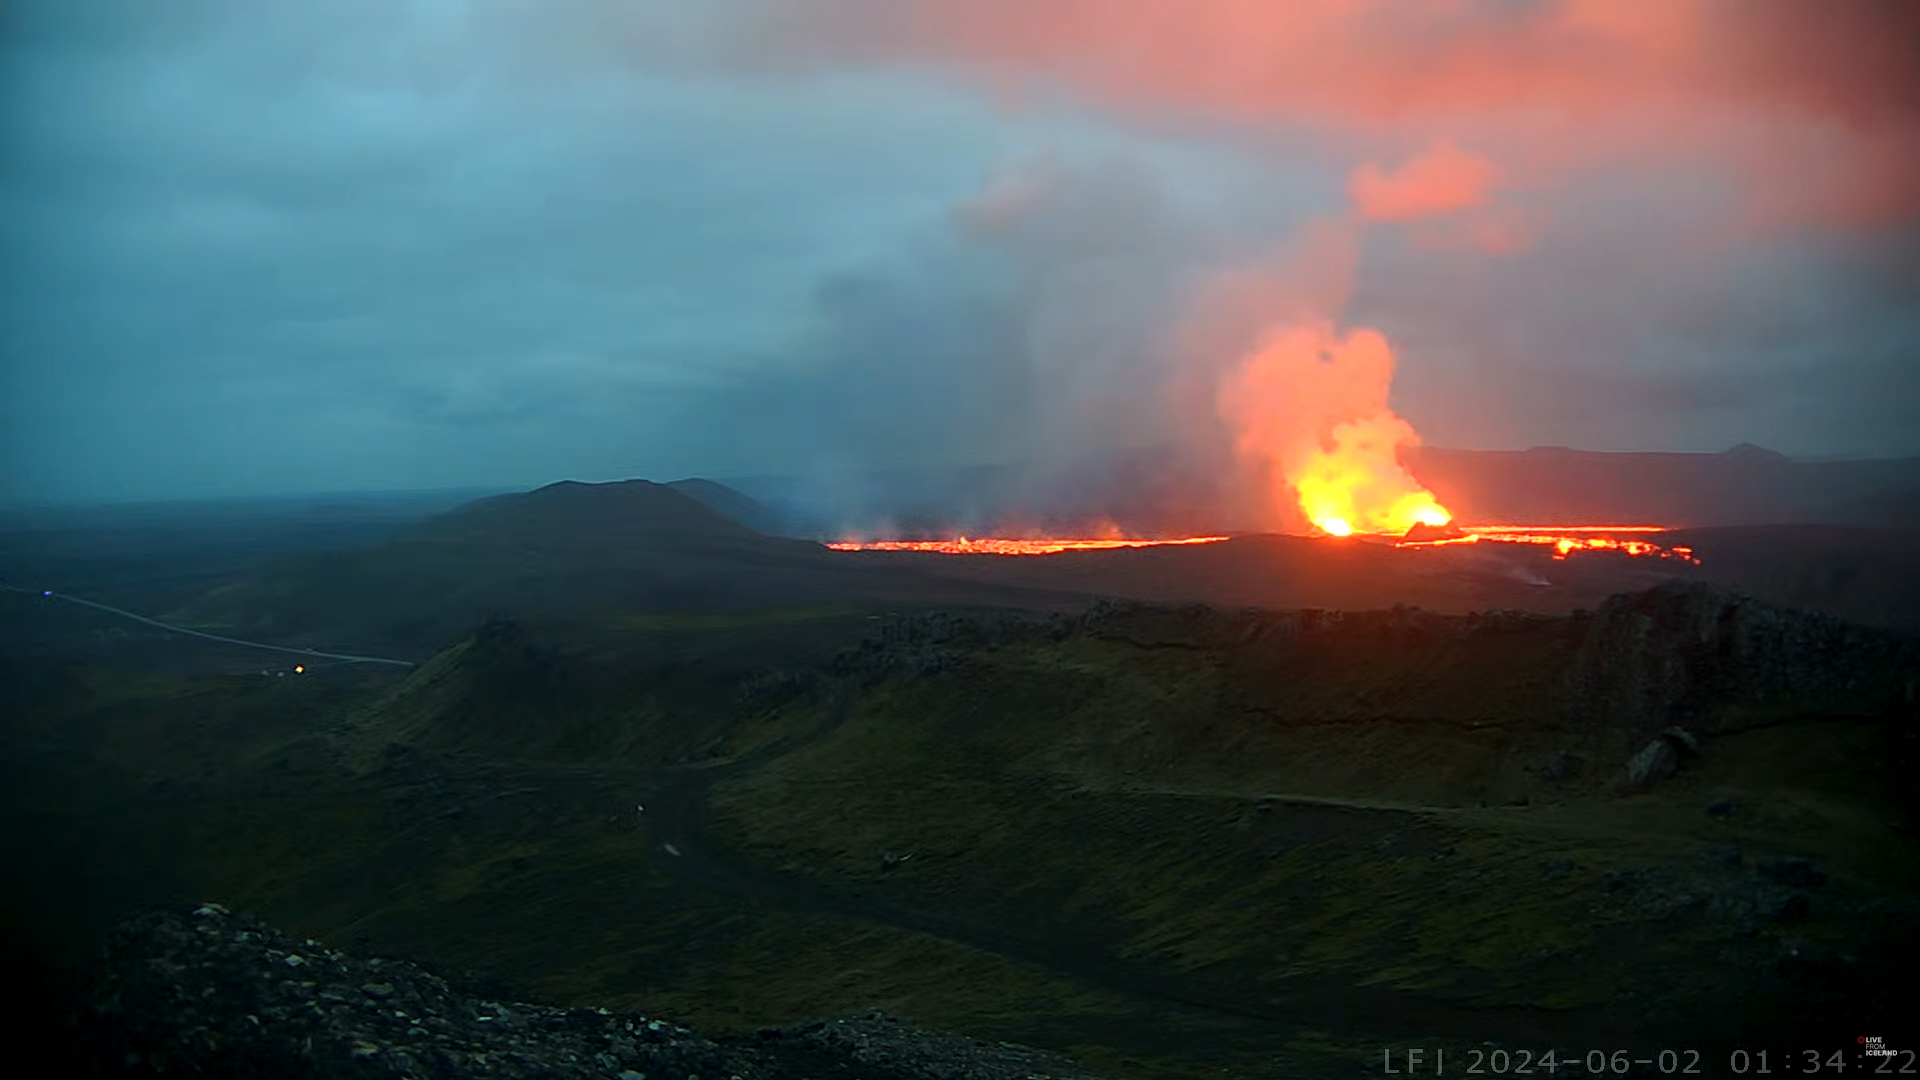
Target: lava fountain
[[1308, 410]]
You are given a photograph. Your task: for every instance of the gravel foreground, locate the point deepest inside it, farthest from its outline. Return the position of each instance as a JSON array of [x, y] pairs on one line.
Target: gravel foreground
[[187, 991]]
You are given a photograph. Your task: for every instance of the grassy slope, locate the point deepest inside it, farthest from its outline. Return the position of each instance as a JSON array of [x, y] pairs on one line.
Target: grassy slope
[[1379, 822], [1248, 852]]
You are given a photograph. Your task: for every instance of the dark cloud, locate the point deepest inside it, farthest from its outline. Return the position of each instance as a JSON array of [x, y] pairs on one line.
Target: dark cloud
[[378, 244]]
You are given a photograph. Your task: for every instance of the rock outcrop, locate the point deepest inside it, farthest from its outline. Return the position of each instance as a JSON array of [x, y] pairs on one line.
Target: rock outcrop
[[1695, 655]]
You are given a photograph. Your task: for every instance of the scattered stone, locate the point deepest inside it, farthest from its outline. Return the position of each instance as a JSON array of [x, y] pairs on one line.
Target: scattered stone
[[1722, 808], [1556, 870], [1797, 873], [203, 992], [1655, 762]]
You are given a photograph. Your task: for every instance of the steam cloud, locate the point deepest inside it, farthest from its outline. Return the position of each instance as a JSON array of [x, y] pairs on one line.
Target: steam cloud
[[852, 237], [1458, 117]]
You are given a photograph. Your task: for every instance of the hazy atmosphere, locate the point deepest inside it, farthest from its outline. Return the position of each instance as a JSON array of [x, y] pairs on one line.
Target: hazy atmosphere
[[276, 247], [977, 539]]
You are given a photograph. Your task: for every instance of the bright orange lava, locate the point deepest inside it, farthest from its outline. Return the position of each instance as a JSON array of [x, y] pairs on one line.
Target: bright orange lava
[[1567, 539], [997, 546]]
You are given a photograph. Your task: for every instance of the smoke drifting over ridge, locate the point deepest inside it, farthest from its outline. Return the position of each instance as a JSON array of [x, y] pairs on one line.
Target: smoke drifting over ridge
[[1553, 92]]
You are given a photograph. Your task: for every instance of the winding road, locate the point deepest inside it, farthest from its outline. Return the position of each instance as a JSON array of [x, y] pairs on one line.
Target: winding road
[[349, 658]]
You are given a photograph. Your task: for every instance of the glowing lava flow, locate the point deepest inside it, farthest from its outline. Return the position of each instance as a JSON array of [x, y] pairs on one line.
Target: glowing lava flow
[[997, 546], [1564, 539]]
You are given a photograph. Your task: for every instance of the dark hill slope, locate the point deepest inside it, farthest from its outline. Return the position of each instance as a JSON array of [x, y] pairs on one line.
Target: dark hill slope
[[1868, 575], [571, 515], [734, 505], [568, 553]]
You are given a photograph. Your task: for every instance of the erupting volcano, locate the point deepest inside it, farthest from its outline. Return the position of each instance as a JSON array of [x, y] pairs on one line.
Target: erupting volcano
[[1308, 409], [1308, 413]]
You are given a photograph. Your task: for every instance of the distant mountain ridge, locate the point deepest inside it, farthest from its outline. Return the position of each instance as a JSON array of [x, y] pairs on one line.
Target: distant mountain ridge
[[567, 553], [571, 513], [1745, 485], [584, 554], [1163, 493], [735, 505]]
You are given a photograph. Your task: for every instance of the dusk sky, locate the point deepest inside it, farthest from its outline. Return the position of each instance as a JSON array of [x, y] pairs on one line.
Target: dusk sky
[[260, 246]]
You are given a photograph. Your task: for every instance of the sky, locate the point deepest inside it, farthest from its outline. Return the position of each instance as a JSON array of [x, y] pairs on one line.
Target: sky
[[267, 246]]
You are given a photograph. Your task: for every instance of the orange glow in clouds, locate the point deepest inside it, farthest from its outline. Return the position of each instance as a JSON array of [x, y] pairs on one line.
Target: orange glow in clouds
[[1443, 180]]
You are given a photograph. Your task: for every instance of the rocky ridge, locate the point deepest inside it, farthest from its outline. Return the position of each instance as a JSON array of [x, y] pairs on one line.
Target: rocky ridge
[[1699, 656], [1682, 655]]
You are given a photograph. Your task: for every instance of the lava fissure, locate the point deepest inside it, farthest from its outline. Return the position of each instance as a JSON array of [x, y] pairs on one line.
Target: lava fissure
[[1565, 540], [1010, 546]]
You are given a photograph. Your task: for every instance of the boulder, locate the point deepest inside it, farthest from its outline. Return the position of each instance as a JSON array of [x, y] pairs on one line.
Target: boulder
[[1682, 740], [1655, 762]]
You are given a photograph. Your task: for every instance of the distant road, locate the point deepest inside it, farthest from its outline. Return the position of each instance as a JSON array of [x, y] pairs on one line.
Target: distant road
[[170, 628]]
